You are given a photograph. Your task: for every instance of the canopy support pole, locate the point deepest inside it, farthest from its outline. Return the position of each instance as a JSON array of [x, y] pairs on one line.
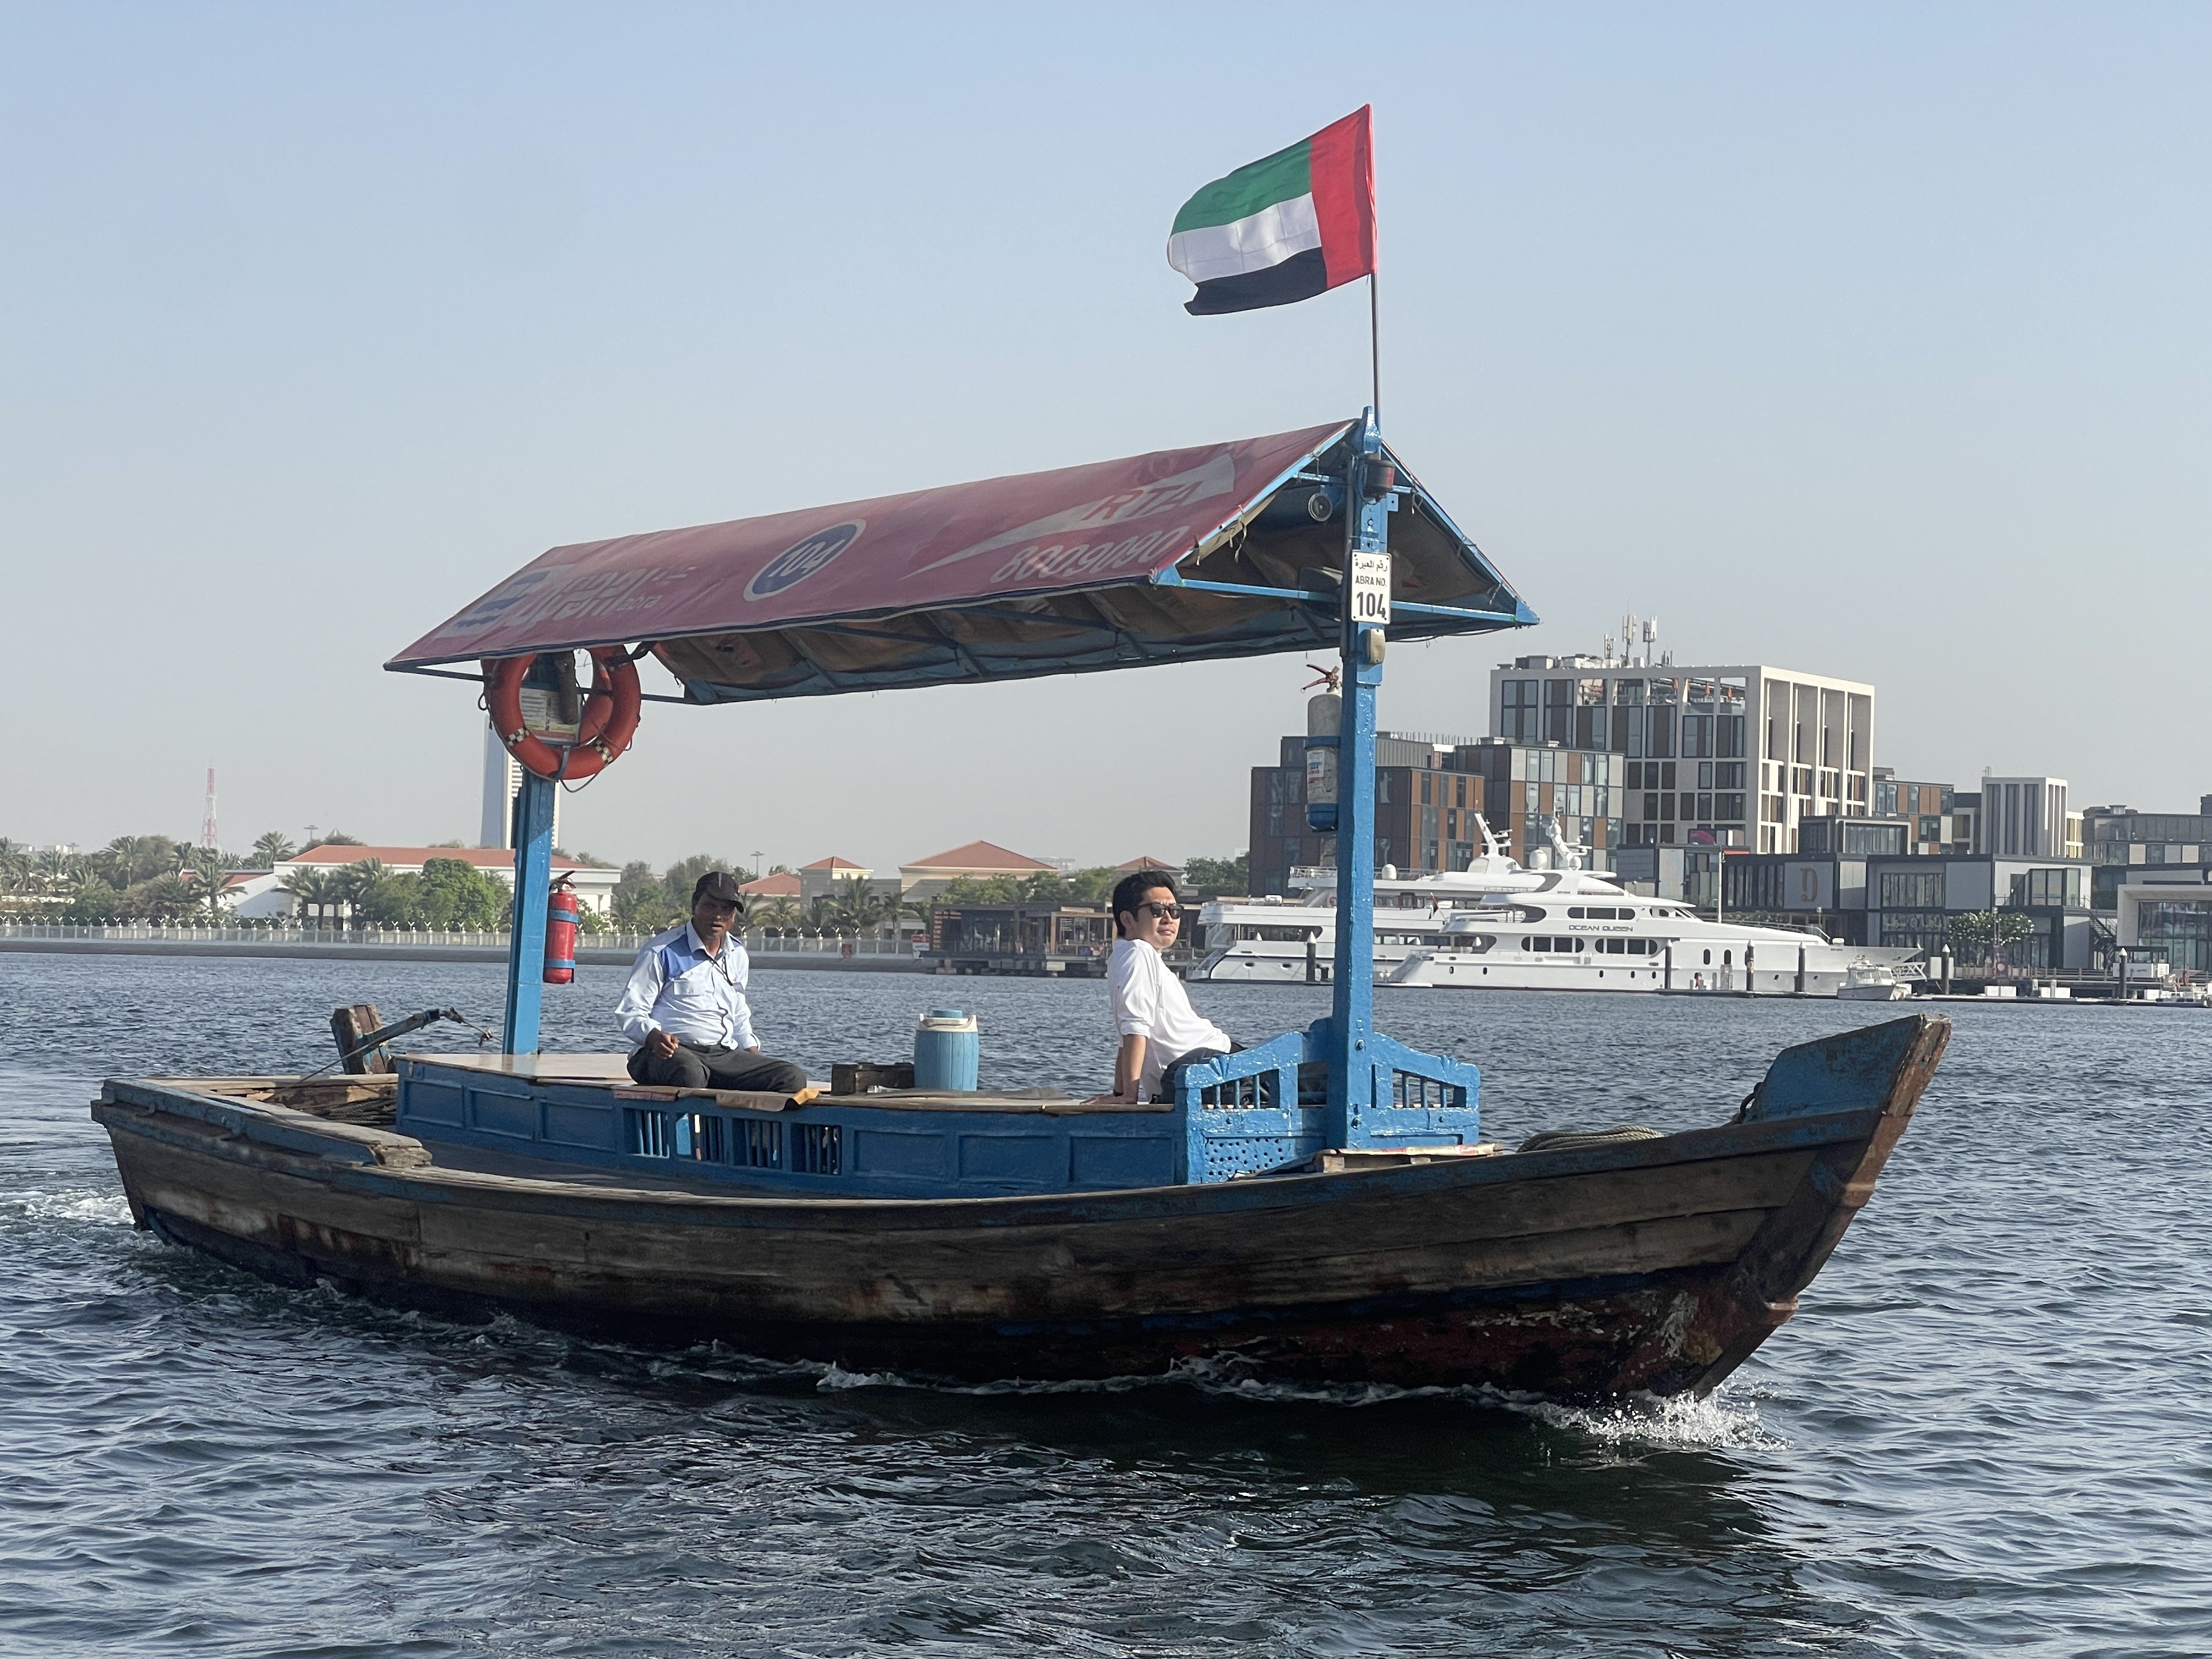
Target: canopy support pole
[[1351, 1014], [526, 938]]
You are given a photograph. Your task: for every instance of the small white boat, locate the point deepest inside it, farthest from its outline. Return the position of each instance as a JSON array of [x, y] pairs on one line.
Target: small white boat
[[1873, 981]]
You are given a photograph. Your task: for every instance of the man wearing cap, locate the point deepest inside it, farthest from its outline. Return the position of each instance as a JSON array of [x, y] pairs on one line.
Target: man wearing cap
[[685, 1004]]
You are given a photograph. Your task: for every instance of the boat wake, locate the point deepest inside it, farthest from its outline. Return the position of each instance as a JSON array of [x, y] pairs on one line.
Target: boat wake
[[102, 1207], [1720, 1422]]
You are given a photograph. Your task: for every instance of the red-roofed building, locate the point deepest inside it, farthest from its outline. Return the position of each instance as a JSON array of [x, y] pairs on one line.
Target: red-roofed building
[[1146, 861], [979, 860], [782, 884]]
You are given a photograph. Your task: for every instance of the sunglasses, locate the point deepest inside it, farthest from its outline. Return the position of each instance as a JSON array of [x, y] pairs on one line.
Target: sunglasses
[[1165, 912]]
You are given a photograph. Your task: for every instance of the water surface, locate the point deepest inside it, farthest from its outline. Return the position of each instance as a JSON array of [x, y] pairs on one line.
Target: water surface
[[1987, 1430]]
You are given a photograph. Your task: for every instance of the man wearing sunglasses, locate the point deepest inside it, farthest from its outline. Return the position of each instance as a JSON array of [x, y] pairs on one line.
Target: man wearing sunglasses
[[1152, 1014]]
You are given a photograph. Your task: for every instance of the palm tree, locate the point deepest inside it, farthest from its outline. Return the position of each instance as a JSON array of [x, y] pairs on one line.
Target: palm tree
[[782, 916], [860, 906], [128, 859], [166, 899], [207, 867], [271, 849], [313, 891], [820, 913], [355, 882]]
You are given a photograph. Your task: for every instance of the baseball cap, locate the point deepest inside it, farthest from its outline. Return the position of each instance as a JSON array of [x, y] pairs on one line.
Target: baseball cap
[[719, 885]]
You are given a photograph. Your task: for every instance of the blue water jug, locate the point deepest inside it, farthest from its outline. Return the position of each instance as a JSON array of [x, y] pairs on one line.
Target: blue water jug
[[946, 1050]]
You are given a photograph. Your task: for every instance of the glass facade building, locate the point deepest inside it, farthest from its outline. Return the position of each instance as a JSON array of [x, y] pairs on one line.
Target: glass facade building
[[1737, 756]]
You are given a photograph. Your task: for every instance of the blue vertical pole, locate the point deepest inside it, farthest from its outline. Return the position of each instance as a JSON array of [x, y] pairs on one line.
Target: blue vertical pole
[[1351, 1014], [533, 879]]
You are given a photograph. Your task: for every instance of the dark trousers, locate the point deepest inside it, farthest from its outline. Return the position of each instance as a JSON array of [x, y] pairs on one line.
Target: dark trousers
[[695, 1065], [1196, 1057]]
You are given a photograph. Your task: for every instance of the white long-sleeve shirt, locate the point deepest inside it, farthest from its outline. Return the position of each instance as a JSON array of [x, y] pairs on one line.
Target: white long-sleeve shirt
[[678, 987], [1149, 1001]]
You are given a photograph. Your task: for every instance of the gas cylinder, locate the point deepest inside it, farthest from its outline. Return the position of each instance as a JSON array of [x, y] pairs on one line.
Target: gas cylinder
[[561, 914]]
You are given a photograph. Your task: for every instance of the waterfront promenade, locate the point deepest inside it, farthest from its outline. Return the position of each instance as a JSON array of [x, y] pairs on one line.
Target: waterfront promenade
[[414, 945]]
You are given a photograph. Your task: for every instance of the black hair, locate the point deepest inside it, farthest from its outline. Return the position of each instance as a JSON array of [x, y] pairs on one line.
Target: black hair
[[1129, 893]]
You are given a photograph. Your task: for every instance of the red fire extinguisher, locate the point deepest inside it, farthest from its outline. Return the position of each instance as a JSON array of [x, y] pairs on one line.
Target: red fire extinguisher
[[561, 915]]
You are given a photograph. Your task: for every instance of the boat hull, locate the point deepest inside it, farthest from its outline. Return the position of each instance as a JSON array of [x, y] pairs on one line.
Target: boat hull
[[1654, 1265]]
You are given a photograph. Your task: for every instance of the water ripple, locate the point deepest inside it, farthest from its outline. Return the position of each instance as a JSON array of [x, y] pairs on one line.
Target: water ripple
[[1986, 1430]]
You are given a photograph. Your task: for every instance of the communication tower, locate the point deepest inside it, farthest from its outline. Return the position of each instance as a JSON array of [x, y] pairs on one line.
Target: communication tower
[[208, 838]]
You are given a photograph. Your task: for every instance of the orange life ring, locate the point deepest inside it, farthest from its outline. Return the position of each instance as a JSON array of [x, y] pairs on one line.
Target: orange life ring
[[610, 721]]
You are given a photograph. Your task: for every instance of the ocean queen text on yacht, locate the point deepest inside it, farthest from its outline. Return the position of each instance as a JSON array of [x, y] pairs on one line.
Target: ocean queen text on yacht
[[1497, 925]]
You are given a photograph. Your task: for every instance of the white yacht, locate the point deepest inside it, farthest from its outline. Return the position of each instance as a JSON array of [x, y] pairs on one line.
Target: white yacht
[[1500, 927], [1289, 941]]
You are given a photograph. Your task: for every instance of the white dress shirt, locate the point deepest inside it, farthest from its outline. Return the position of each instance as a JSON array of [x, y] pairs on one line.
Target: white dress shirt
[[1150, 1002], [678, 986]]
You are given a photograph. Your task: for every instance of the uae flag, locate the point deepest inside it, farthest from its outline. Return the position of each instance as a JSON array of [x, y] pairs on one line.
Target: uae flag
[[1295, 225]]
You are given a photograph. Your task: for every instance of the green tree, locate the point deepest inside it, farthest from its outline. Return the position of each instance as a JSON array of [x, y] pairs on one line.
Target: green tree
[[390, 902], [640, 900], [1092, 886], [165, 899], [206, 867], [314, 893], [271, 849], [1208, 878], [128, 859], [94, 901], [992, 889], [861, 907], [359, 882], [330, 838], [1980, 934], [781, 916], [455, 894], [60, 872], [683, 876]]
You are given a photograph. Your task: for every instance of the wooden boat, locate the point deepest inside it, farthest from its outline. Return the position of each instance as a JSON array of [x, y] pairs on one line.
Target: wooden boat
[[1626, 1264], [1321, 1206]]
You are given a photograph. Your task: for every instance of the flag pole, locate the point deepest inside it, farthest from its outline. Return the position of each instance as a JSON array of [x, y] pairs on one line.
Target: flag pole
[[1375, 344]]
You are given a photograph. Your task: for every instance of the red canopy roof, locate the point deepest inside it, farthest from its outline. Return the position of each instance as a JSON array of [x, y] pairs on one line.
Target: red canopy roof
[[1106, 565]]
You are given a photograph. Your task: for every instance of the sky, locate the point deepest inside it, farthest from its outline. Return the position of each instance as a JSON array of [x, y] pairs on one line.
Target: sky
[[1867, 340]]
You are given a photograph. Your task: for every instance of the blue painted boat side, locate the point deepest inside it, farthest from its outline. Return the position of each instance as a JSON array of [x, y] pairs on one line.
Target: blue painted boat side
[[1237, 1117], [1239, 1114]]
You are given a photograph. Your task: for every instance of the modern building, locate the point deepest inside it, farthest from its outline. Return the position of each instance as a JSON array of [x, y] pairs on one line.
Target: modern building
[[1862, 887], [1936, 824], [502, 783], [2127, 846], [2025, 818], [1734, 756], [2165, 914], [1429, 792]]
